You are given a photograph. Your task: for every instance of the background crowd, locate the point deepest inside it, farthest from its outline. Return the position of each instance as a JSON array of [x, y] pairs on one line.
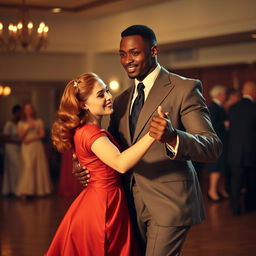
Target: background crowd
[[234, 119]]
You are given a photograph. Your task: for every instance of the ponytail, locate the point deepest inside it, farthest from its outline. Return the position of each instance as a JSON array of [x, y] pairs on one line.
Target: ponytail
[[70, 114]]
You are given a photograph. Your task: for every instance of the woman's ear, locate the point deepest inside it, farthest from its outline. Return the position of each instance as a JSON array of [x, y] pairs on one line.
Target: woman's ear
[[84, 106]]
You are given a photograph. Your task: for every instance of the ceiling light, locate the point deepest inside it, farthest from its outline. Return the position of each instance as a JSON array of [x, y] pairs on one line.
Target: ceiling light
[[5, 90], [114, 85], [56, 10]]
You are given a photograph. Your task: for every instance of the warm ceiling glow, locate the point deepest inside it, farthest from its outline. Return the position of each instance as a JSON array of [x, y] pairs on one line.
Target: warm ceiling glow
[[5, 90], [56, 10], [114, 85]]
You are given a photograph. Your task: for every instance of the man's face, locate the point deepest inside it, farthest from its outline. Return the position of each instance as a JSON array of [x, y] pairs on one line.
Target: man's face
[[137, 57], [222, 97]]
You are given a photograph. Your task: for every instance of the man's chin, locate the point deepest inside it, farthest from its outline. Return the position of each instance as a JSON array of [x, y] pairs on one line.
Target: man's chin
[[132, 76]]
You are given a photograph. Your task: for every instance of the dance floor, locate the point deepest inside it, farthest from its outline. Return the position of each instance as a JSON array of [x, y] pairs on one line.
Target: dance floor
[[27, 227]]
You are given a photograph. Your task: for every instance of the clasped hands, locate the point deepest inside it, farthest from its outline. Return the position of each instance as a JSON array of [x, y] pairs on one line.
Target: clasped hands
[[160, 129]]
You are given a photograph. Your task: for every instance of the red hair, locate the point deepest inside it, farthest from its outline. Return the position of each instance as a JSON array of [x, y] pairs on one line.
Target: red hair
[[71, 114]]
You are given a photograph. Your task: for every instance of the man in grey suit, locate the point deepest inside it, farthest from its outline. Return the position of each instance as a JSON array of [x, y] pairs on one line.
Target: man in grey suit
[[164, 187]]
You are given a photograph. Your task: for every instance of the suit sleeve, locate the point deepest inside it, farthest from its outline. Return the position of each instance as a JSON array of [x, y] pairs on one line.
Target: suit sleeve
[[113, 127], [198, 141]]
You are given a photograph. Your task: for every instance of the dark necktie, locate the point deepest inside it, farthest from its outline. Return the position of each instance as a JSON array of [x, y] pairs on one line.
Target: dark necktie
[[136, 108]]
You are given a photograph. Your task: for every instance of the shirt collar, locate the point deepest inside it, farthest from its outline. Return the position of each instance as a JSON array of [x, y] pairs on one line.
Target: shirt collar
[[217, 102], [246, 96], [150, 78]]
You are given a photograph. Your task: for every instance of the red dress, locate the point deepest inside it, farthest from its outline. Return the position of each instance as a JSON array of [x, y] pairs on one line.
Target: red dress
[[97, 223], [68, 184]]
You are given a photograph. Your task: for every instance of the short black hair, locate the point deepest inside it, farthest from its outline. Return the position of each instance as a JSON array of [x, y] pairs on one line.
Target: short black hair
[[141, 30], [16, 108]]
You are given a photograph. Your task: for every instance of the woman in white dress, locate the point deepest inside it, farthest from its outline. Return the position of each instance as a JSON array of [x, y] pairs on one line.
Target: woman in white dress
[[11, 153], [35, 178]]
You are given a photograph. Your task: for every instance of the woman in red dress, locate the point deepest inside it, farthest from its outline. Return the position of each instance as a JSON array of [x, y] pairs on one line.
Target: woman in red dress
[[97, 223]]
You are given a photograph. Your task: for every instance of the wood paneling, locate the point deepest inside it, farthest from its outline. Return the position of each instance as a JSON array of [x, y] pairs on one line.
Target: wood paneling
[[231, 76]]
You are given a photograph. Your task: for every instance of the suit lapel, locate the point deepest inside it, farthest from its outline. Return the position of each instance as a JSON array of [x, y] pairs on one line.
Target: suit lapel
[[125, 126], [157, 94]]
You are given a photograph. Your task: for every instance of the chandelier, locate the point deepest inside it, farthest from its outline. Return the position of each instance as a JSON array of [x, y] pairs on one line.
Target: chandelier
[[21, 35]]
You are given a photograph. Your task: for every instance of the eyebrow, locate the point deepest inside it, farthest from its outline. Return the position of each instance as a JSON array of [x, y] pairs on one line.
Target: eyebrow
[[135, 48], [99, 92], [103, 90]]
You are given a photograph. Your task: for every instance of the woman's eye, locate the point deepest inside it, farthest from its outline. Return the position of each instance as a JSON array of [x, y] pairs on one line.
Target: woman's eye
[[135, 53]]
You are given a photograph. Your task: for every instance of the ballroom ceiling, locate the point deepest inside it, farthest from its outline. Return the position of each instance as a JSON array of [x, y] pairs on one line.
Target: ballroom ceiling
[[86, 8], [92, 9]]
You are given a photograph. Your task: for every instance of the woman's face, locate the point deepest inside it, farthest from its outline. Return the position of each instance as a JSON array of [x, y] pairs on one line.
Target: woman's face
[[28, 110], [99, 102]]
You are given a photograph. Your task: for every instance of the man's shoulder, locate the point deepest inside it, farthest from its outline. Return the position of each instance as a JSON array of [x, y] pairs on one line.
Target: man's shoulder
[[124, 93], [241, 103], [182, 79], [237, 106], [179, 79]]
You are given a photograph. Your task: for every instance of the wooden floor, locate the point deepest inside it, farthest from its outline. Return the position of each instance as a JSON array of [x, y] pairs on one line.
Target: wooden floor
[[27, 227]]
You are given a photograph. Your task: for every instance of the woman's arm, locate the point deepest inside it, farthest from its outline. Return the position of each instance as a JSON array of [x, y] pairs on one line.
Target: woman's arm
[[22, 132], [40, 133], [107, 152], [124, 161]]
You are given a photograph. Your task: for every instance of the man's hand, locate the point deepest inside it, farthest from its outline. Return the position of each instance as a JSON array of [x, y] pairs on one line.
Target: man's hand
[[81, 173], [161, 128]]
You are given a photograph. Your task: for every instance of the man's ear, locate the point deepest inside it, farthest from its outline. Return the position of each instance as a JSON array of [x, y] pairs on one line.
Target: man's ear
[[154, 51]]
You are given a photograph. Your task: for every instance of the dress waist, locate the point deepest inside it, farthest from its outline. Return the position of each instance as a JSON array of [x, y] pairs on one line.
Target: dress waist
[[105, 183]]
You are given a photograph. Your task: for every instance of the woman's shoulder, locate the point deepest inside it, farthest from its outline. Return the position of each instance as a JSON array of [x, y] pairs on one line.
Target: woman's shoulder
[[22, 122], [90, 127], [9, 123], [89, 130], [38, 120], [88, 133], [8, 126]]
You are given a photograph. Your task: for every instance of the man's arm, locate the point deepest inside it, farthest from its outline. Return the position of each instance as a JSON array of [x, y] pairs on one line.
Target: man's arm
[[80, 172], [197, 140]]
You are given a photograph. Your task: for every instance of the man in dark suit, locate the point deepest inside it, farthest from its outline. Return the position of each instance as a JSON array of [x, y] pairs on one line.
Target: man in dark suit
[[217, 170], [164, 185], [242, 153]]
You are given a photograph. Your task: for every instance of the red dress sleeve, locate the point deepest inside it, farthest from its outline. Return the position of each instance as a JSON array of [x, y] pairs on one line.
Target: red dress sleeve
[[91, 133]]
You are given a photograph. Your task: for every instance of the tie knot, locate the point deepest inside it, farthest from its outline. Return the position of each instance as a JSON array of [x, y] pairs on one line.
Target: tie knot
[[140, 87]]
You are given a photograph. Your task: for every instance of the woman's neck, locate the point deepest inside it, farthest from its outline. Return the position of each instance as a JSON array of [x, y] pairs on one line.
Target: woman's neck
[[29, 118], [94, 120]]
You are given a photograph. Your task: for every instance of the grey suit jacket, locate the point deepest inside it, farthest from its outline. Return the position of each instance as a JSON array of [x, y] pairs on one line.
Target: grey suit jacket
[[170, 188]]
